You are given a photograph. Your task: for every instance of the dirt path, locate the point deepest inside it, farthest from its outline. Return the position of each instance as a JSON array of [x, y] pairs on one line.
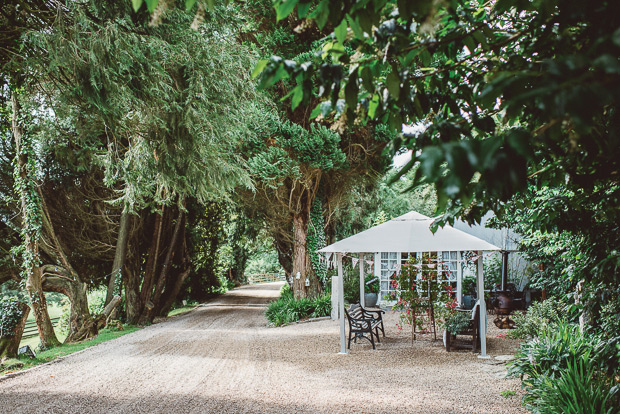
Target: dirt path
[[221, 358]]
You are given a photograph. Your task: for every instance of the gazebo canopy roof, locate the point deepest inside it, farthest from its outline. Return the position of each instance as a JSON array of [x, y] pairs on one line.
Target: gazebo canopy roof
[[409, 233]]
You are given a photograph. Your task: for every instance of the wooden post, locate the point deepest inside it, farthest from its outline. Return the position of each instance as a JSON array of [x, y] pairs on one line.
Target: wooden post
[[362, 284], [343, 347], [483, 306]]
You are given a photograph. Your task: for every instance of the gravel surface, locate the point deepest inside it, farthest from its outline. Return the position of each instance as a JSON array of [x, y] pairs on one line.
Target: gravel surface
[[222, 358]]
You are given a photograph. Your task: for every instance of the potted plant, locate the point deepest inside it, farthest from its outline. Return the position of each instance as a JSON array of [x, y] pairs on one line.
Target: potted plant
[[371, 292], [469, 292]]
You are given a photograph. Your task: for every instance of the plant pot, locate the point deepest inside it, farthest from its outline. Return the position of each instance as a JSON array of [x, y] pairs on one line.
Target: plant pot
[[370, 299], [468, 302]]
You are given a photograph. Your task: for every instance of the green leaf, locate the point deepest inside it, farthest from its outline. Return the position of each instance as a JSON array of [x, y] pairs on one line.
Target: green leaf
[[188, 4], [321, 13], [303, 8], [341, 31], [365, 20], [151, 5], [366, 74], [211, 4], [136, 4], [357, 29], [469, 42], [259, 67], [373, 105], [284, 8], [316, 111], [351, 90], [425, 58], [298, 94], [403, 170], [393, 84]]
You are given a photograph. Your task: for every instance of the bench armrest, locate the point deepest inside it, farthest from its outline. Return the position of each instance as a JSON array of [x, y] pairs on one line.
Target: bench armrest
[[375, 314]]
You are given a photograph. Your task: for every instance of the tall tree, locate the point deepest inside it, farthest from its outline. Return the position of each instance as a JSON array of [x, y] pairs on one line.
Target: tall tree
[[31, 219], [161, 109]]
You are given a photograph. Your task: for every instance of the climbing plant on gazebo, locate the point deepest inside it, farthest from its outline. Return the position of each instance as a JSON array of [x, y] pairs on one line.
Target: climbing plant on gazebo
[[423, 301]]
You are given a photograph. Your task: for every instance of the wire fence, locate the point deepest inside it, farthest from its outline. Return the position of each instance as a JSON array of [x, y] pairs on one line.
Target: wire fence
[[265, 278]]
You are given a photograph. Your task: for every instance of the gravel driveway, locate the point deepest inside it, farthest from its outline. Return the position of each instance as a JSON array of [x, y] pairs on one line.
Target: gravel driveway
[[221, 358]]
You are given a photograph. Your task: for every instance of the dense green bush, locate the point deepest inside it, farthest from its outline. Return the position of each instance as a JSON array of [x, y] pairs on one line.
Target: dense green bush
[[351, 285], [96, 301], [550, 367], [457, 322], [287, 309], [552, 352], [540, 317], [580, 389]]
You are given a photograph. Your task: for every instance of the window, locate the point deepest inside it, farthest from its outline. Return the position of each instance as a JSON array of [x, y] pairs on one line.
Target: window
[[450, 266], [389, 261]]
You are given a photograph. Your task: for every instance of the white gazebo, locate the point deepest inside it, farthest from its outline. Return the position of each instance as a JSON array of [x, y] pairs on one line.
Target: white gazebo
[[394, 241]]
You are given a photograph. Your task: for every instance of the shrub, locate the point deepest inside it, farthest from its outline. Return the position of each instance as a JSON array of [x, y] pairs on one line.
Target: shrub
[[552, 352], [96, 301], [286, 292], [540, 317], [351, 288], [542, 362], [287, 309], [580, 389], [322, 306], [456, 322], [372, 287]]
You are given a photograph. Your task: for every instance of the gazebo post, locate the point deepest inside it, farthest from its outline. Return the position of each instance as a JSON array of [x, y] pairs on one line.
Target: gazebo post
[[362, 286], [483, 306], [343, 348]]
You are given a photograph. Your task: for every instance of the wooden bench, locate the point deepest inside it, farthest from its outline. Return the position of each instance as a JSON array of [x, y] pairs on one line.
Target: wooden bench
[[364, 321], [472, 329]]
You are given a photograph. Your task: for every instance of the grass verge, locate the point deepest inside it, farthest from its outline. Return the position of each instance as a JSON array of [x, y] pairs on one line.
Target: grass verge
[[13, 365], [180, 311]]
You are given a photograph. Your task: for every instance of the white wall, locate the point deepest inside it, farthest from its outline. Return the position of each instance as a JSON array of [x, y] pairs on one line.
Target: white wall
[[506, 239]]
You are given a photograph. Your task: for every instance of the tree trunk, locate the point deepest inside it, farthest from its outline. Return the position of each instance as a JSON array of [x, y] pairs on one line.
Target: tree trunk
[[151, 263], [133, 302], [165, 269], [285, 255], [81, 324], [101, 320], [174, 291], [119, 256], [173, 288], [9, 344], [31, 243], [302, 264]]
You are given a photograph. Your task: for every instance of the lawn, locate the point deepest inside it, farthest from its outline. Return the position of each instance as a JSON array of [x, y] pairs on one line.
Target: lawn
[[34, 341]]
